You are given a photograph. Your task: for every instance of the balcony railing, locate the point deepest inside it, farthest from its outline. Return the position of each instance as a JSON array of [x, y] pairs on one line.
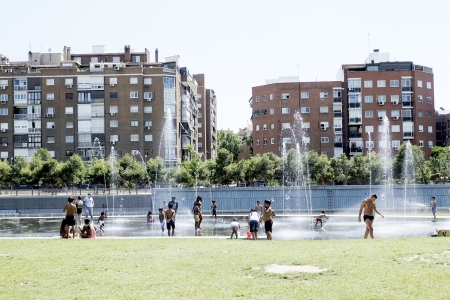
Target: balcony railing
[[337, 100], [339, 145], [337, 129], [355, 120], [34, 102], [84, 101], [410, 119], [20, 102], [337, 115], [20, 145], [169, 70], [354, 105], [97, 115], [356, 150], [355, 135], [34, 116], [34, 130], [20, 87], [407, 103], [408, 134], [84, 116], [406, 88], [354, 90], [20, 116], [20, 130]]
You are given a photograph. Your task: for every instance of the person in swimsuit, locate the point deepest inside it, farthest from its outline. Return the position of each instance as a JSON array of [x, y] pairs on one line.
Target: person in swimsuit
[[214, 209], [101, 221], [369, 207], [433, 208], [253, 221], [88, 231], [319, 218], [235, 226], [79, 204], [267, 217], [149, 217], [170, 219], [162, 218], [196, 211], [71, 211]]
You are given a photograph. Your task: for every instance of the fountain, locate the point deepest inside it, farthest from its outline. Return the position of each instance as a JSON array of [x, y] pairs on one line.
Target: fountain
[[386, 154], [137, 153]]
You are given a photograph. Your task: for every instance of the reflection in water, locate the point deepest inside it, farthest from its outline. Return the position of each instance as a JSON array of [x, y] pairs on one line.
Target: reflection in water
[[284, 227]]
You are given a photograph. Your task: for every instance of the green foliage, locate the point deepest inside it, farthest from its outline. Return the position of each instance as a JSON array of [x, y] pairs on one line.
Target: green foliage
[[319, 168], [342, 167], [73, 171], [223, 160], [421, 168], [439, 162], [191, 172], [131, 172], [5, 173], [156, 170], [230, 141], [99, 171]]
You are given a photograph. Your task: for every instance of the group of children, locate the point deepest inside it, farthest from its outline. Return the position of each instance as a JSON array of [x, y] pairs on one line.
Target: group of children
[[88, 231]]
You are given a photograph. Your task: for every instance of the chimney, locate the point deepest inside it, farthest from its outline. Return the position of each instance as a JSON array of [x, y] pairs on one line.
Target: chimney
[[127, 56], [69, 53], [65, 53], [156, 55]]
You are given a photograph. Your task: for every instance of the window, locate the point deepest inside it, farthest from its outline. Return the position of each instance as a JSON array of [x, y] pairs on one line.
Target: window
[[381, 83], [50, 125], [148, 95], [369, 113], [69, 110], [306, 125], [381, 128], [430, 129], [112, 81], [395, 99], [429, 115], [370, 144], [285, 96], [50, 96], [257, 99], [136, 58], [199, 125], [272, 126], [134, 138], [324, 109], [419, 84], [324, 140], [50, 81], [257, 142], [113, 109], [272, 111], [420, 128], [368, 99], [69, 124], [134, 123], [113, 123], [285, 125], [381, 98], [368, 84], [134, 109], [200, 135], [94, 59], [354, 85], [147, 81], [430, 144], [3, 111], [50, 139], [286, 110], [264, 97], [265, 142], [134, 95], [429, 100], [114, 137], [257, 128], [169, 82], [420, 114], [69, 138], [395, 144], [304, 95], [394, 83], [133, 80], [368, 129], [323, 95], [4, 97], [265, 127], [429, 85], [421, 143], [148, 138], [419, 98], [305, 110], [271, 97], [286, 140], [150, 123], [395, 114], [113, 95], [395, 128], [148, 109], [69, 96], [381, 113], [272, 141]]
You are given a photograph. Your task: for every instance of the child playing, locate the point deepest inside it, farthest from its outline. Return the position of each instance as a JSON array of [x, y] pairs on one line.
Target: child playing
[[235, 226], [214, 209], [162, 218], [149, 217], [101, 221], [319, 218]]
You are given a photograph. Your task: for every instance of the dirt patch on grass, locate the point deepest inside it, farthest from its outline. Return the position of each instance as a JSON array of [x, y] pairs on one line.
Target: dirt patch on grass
[[281, 269], [428, 257]]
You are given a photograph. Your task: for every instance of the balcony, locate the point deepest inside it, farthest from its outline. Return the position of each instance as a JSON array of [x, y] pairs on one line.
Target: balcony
[[169, 70], [406, 88], [354, 105], [354, 135], [356, 150], [34, 102], [34, 130], [20, 116], [354, 90], [20, 145], [20, 87], [20, 102], [97, 115], [407, 103], [355, 120], [337, 114], [84, 101], [338, 145], [407, 119], [337, 129], [34, 116], [408, 135], [84, 116], [337, 100]]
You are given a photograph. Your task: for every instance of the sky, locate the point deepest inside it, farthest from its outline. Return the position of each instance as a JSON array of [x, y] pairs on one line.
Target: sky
[[238, 44]]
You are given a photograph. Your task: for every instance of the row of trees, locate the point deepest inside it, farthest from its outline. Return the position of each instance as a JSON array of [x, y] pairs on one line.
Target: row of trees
[[129, 172]]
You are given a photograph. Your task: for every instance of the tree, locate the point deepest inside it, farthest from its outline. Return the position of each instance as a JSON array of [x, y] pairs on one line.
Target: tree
[[100, 172], [73, 171], [230, 141], [421, 168], [5, 173], [131, 172], [224, 158], [342, 167], [439, 162], [156, 169], [319, 168], [360, 171], [193, 171]]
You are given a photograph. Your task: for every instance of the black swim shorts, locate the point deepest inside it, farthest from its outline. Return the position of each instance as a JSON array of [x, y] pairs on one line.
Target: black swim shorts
[[368, 217]]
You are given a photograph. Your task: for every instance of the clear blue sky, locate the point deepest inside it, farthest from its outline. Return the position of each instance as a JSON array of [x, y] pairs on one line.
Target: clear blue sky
[[238, 43]]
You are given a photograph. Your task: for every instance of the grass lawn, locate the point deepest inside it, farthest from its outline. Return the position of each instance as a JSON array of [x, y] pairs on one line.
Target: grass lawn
[[209, 268]]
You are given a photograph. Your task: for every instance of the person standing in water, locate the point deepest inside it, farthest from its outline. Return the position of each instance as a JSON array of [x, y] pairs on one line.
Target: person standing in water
[[369, 208], [71, 211], [267, 217], [433, 208]]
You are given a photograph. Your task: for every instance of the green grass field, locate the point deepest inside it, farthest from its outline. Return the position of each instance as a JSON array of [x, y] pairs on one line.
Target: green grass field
[[210, 268]]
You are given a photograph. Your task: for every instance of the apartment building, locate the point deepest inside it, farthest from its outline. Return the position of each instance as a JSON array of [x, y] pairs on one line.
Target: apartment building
[[347, 115], [320, 104], [442, 127], [92, 104]]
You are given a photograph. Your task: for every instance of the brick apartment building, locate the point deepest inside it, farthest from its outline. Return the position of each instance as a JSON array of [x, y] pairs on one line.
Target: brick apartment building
[[92, 103], [339, 115], [442, 127]]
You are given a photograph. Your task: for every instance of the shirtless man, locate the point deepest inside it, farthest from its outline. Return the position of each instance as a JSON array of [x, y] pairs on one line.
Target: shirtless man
[[79, 204], [170, 219], [71, 211], [369, 208], [88, 231], [267, 216], [433, 208]]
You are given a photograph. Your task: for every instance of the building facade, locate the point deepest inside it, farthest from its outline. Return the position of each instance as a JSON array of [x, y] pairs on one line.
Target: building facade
[[93, 104], [348, 115], [442, 127]]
